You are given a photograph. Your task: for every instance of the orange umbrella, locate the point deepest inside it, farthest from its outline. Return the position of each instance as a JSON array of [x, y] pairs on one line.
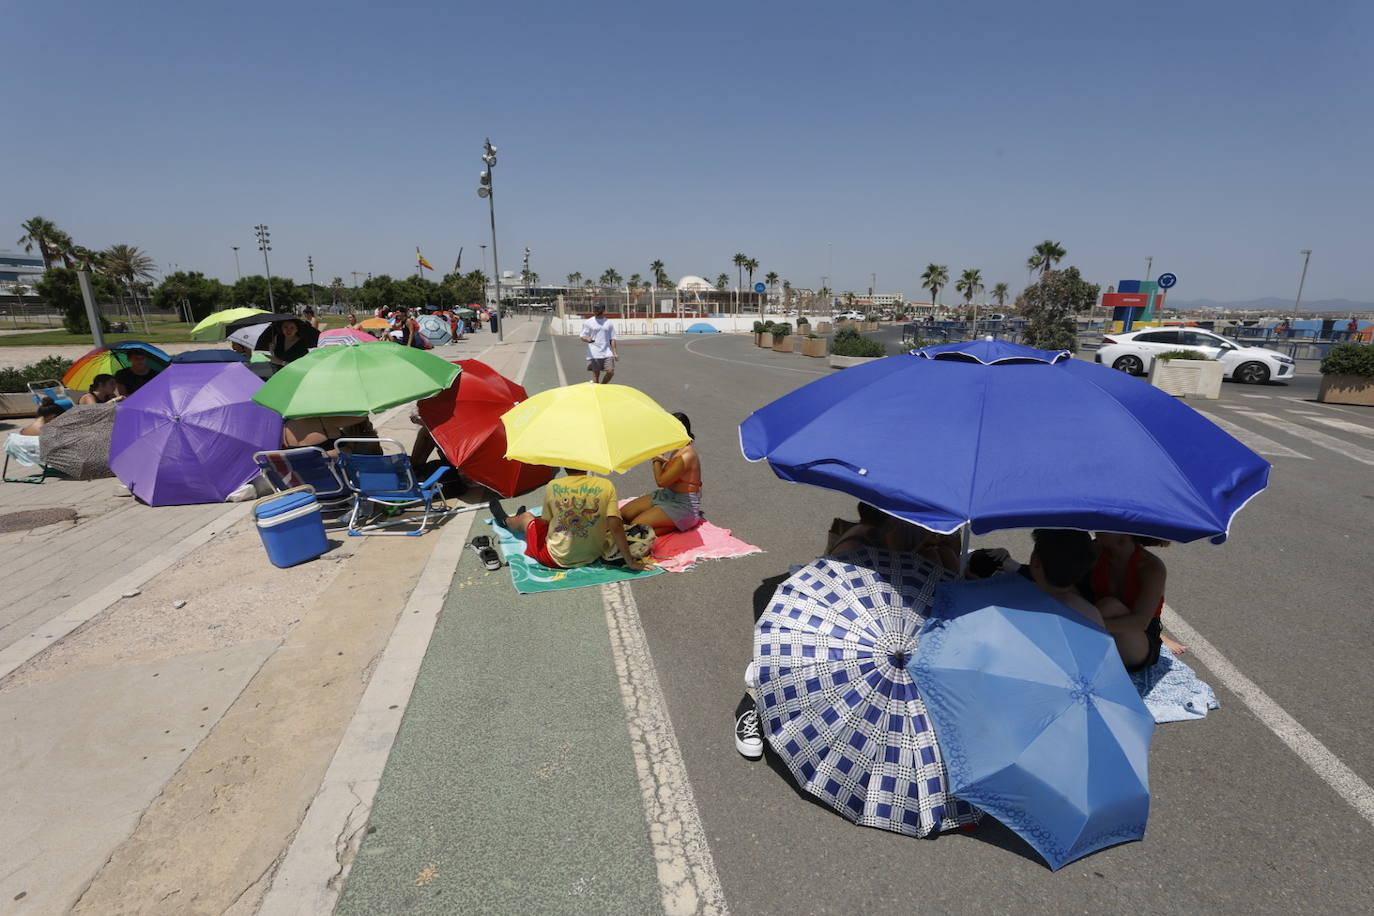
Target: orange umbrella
[[374, 323]]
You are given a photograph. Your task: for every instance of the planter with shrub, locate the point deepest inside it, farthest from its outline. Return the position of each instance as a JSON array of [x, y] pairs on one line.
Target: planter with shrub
[[1186, 373], [1348, 375], [814, 345], [760, 329], [851, 348], [782, 337]]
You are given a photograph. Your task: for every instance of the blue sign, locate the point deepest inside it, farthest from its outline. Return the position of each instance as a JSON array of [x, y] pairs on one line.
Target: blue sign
[[760, 287], [1166, 280]]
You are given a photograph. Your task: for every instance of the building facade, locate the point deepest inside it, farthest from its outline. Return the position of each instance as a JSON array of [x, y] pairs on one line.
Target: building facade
[[19, 268]]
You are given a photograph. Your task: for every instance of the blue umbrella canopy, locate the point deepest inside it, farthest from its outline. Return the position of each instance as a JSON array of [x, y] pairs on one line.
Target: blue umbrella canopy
[[1040, 725], [209, 356], [836, 701], [996, 436], [702, 327]]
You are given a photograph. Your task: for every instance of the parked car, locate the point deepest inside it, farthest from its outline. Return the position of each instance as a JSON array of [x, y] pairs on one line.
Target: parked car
[[1134, 351], [850, 315]]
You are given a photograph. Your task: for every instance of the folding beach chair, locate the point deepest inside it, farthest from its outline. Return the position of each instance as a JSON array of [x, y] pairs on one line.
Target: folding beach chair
[[50, 388], [386, 482], [294, 467], [25, 458]]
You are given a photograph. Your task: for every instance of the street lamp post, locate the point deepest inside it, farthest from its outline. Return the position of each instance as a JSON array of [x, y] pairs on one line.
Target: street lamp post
[[1149, 262], [1306, 257], [238, 272], [484, 263], [264, 245], [310, 264], [485, 190]]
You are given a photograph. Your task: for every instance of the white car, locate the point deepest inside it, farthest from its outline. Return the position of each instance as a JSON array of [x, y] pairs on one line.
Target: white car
[[850, 316], [1134, 351]]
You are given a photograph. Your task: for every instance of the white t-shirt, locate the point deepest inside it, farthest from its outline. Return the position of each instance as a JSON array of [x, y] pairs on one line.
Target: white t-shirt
[[602, 333]]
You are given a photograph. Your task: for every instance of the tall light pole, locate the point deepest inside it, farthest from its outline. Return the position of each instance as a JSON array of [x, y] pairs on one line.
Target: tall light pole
[[310, 263], [1306, 256], [264, 245], [238, 272], [485, 190], [1149, 262], [484, 261]]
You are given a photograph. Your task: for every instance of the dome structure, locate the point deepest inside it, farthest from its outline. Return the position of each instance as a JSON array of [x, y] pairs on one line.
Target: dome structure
[[690, 284]]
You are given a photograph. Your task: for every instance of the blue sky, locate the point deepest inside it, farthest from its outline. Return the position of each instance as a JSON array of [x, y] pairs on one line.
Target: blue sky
[[1219, 137]]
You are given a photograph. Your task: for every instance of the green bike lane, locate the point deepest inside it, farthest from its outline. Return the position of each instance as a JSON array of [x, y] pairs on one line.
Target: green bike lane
[[511, 785]]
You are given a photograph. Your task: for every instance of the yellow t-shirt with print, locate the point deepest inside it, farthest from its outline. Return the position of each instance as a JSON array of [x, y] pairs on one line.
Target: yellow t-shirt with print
[[577, 507]]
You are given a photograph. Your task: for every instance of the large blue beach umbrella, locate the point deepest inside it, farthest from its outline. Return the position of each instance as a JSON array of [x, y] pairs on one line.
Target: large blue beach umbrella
[[1039, 723], [997, 435]]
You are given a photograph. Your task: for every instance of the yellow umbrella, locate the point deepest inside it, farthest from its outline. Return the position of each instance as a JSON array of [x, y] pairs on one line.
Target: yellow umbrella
[[600, 428], [212, 328]]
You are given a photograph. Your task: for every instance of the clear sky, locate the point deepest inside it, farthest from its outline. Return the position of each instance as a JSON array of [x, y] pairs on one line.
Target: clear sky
[[836, 138]]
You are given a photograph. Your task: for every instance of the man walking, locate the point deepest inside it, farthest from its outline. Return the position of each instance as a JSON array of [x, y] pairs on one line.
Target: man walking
[[599, 335]]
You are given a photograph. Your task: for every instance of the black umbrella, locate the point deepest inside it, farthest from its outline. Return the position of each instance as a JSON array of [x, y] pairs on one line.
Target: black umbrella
[[309, 334]]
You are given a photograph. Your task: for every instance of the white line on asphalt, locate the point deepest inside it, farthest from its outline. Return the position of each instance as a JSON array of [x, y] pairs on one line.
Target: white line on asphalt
[[1264, 396], [1335, 423], [1262, 444], [1339, 446], [687, 877], [1345, 781], [744, 362]]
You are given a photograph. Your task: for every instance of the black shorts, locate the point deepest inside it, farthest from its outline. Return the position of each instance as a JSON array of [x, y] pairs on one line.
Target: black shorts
[[1154, 633]]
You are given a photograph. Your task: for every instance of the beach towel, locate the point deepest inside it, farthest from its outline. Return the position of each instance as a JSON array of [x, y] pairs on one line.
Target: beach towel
[[679, 551], [530, 577], [1172, 691]]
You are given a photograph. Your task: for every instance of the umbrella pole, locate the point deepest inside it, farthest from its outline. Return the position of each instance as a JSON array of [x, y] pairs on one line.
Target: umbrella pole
[[963, 551]]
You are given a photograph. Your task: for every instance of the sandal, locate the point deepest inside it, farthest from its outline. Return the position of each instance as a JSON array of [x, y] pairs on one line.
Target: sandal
[[481, 545]]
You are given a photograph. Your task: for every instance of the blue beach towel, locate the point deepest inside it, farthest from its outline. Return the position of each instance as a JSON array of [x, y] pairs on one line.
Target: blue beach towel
[[1172, 691], [530, 577]]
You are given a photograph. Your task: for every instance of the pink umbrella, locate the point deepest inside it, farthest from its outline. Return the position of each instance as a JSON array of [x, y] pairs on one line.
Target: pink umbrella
[[345, 336]]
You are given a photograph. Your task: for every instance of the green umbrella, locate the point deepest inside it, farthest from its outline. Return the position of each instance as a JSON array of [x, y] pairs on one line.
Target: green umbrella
[[349, 381], [212, 328]]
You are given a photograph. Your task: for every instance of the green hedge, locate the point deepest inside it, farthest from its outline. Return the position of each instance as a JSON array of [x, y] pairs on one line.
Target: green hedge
[[849, 342], [1349, 359], [12, 380]]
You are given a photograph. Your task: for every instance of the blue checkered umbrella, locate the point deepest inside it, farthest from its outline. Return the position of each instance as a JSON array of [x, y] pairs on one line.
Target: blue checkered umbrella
[[835, 698]]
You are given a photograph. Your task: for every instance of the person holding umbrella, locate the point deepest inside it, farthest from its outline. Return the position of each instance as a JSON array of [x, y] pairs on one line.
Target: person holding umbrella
[[288, 346], [138, 374]]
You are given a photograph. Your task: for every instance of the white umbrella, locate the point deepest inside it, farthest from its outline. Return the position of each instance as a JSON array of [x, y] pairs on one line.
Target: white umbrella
[[250, 336]]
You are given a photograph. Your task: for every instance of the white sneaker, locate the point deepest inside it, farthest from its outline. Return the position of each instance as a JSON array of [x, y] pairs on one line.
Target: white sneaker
[[748, 738]]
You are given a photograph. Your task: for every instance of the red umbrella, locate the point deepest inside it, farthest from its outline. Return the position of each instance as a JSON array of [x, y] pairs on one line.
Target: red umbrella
[[465, 421]]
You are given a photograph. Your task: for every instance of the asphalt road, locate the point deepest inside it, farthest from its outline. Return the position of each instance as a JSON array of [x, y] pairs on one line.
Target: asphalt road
[[1240, 823]]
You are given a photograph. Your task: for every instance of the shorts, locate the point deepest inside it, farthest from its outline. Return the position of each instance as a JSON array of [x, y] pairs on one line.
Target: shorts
[[682, 509], [536, 543], [601, 364], [1154, 633]]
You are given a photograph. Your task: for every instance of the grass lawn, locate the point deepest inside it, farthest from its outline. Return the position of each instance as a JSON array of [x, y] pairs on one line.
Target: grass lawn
[[160, 332]]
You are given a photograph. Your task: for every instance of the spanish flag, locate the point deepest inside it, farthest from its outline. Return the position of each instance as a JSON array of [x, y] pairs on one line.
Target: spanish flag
[[420, 259]]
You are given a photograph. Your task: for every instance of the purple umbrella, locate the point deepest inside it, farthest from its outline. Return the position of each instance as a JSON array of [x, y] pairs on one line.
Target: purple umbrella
[[190, 434]]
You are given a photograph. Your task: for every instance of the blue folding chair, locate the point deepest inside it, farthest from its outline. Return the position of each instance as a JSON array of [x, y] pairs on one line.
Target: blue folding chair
[[288, 468], [50, 388], [386, 481]]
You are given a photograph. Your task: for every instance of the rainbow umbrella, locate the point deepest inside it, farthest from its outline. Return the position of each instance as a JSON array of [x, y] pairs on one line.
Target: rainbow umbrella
[[109, 360]]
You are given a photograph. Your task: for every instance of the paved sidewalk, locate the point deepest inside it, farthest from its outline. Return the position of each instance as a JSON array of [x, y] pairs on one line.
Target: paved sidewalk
[[159, 758]]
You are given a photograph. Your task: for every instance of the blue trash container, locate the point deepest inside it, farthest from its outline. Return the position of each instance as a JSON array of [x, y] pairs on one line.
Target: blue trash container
[[291, 526]]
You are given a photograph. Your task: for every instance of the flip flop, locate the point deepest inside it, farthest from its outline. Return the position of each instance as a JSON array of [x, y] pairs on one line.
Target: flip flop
[[481, 545]]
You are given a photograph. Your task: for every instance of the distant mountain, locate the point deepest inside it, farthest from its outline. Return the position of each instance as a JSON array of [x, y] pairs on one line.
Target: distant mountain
[[1274, 304]]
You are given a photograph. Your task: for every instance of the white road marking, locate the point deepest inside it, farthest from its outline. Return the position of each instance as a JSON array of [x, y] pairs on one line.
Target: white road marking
[[1264, 396], [1345, 425], [687, 877], [1262, 444], [1339, 446], [1345, 781], [744, 362]]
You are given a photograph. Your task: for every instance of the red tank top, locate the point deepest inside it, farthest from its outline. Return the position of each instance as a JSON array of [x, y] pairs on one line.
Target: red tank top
[[1102, 580]]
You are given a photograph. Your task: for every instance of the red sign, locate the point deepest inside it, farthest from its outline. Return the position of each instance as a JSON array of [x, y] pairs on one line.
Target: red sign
[[1125, 300]]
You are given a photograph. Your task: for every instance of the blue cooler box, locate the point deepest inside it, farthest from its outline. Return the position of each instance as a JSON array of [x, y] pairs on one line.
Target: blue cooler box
[[291, 527]]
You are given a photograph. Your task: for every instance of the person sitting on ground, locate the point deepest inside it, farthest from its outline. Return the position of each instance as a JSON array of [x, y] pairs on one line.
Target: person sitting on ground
[[878, 529], [309, 317], [1127, 584], [138, 374], [1060, 560], [581, 517], [288, 345], [103, 390], [322, 432], [401, 327], [676, 504]]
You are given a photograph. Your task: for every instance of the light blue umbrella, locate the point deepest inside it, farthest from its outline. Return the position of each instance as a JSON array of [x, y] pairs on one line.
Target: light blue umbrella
[[835, 699], [1040, 725], [996, 435]]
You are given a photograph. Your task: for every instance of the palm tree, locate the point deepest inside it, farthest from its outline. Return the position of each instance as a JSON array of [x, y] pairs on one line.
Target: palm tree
[[128, 264], [660, 274], [935, 278], [1000, 293], [574, 278], [740, 260], [1033, 264], [786, 294], [771, 278], [1050, 254], [43, 233], [751, 265], [969, 283], [610, 277], [722, 281]]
